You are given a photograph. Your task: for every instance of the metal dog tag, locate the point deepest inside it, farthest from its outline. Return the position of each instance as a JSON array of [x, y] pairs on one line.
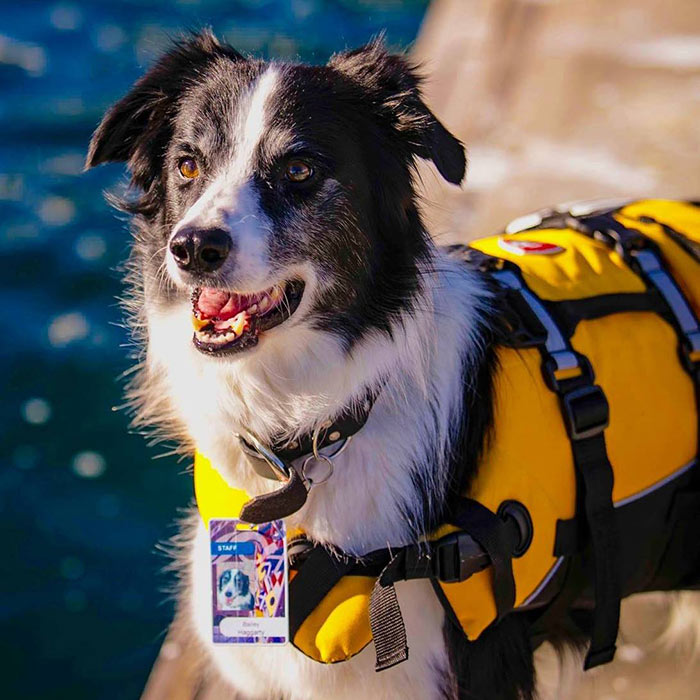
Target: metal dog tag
[[249, 582]]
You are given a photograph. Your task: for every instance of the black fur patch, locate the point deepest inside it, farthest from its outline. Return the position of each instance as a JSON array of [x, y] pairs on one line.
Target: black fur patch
[[473, 435], [360, 121], [497, 666]]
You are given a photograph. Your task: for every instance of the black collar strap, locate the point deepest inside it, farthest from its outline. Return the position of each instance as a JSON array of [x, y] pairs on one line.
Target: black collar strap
[[276, 463], [336, 432]]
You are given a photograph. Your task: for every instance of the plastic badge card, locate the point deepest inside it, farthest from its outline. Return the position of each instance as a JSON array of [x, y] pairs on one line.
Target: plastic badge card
[[249, 582]]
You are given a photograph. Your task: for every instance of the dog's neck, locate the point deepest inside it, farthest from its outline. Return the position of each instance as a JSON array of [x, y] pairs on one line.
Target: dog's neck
[[395, 471]]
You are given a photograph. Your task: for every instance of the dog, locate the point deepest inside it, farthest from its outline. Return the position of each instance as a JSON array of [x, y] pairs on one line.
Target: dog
[[234, 591], [276, 209]]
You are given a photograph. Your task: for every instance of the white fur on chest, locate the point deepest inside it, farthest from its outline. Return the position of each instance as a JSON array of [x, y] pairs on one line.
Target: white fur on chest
[[299, 378]]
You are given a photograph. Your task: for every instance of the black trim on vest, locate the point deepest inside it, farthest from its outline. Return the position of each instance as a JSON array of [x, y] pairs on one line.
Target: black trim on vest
[[491, 533], [487, 540], [585, 414], [571, 312]]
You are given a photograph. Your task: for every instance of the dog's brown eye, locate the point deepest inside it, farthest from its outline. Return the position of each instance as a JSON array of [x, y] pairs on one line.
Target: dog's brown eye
[[188, 168], [298, 171]]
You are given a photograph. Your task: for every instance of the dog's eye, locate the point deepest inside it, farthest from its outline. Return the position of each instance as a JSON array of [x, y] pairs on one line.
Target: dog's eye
[[298, 171], [188, 168]]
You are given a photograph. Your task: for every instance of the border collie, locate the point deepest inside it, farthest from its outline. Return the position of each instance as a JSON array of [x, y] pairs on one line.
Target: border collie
[[233, 591], [279, 198]]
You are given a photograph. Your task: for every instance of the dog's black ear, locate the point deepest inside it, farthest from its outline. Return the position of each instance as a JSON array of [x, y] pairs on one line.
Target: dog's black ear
[[393, 84], [224, 579], [137, 128]]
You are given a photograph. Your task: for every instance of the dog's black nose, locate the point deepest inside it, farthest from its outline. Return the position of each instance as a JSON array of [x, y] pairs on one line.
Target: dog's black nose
[[200, 250]]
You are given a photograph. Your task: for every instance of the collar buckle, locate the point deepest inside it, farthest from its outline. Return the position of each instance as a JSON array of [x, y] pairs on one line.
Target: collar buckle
[[265, 462]]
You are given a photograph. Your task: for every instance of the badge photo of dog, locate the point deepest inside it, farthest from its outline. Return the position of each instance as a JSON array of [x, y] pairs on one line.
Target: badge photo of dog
[[468, 501], [234, 591]]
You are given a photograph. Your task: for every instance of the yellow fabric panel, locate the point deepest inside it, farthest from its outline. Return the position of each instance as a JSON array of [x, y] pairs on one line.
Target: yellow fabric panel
[[215, 498], [585, 268], [472, 602], [681, 217], [531, 462], [338, 628], [653, 429]]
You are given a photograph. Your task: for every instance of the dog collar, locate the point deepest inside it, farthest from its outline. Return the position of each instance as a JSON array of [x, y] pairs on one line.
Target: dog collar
[[277, 462], [271, 461]]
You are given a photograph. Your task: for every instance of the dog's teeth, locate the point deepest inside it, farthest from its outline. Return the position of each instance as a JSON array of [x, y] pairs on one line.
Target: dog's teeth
[[240, 323], [215, 332]]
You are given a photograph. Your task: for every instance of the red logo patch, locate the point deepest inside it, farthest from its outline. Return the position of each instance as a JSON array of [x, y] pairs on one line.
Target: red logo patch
[[520, 247]]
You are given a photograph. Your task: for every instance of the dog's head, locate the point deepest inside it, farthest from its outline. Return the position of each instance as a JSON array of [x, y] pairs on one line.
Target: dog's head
[[275, 194], [234, 585]]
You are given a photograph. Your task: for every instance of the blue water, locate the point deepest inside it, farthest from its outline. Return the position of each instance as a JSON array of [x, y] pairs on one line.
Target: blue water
[[83, 504]]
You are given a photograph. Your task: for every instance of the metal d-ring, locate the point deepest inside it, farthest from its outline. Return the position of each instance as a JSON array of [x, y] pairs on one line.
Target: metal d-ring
[[316, 482], [279, 468], [328, 459]]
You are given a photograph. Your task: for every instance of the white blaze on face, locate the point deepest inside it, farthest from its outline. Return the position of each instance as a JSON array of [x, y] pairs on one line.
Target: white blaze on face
[[231, 202]]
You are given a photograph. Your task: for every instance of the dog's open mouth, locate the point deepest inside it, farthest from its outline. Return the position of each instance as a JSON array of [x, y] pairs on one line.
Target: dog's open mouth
[[226, 322]]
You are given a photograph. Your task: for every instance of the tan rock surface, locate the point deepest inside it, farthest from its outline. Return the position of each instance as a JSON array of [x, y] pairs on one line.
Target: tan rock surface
[[561, 100]]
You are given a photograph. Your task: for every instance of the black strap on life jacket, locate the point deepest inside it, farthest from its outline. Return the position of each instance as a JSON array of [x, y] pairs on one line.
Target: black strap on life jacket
[[485, 539], [491, 532], [586, 415], [645, 258]]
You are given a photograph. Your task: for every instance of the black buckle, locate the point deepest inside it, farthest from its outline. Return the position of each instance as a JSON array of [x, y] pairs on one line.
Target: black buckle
[[457, 556], [586, 412], [622, 239]]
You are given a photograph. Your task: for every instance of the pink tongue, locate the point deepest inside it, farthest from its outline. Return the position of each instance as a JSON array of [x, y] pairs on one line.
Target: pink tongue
[[211, 301], [220, 304]]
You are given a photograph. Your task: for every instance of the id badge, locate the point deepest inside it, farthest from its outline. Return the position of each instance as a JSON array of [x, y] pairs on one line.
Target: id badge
[[249, 582]]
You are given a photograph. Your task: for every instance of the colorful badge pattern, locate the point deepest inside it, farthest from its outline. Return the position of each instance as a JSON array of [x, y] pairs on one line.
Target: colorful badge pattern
[[249, 582]]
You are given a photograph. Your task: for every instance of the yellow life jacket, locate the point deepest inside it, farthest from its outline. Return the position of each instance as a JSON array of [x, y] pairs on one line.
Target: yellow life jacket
[[601, 356]]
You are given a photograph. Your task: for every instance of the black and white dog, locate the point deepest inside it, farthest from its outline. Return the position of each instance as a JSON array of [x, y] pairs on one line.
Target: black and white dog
[[277, 205]]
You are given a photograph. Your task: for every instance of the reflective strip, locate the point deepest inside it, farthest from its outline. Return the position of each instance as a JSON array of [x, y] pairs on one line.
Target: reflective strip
[[657, 485], [545, 581], [556, 345], [662, 281], [576, 208]]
